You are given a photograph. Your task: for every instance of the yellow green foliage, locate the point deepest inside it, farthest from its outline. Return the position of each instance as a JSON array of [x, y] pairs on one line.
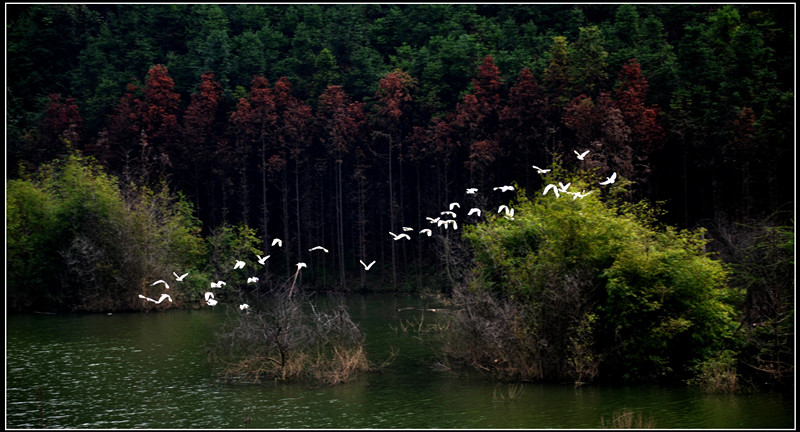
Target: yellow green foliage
[[77, 240], [657, 298]]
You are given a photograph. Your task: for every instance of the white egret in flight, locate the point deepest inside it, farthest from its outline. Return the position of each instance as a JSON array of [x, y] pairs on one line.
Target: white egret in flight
[[563, 186], [318, 248], [179, 278], [160, 281], [447, 222], [252, 279], [408, 229], [163, 296], [426, 231], [454, 205], [261, 260], [581, 155], [541, 171], [209, 295], [211, 302], [367, 267], [580, 195], [509, 211], [399, 236], [278, 242], [551, 186], [448, 213], [472, 191], [432, 220], [243, 306], [504, 188], [610, 180], [474, 210], [238, 265], [301, 265]]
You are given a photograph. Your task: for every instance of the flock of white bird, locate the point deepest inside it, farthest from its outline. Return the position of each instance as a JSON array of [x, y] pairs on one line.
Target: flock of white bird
[[557, 190]]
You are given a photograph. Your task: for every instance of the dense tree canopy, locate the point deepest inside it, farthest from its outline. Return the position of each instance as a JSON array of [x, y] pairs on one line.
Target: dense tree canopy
[[682, 99]]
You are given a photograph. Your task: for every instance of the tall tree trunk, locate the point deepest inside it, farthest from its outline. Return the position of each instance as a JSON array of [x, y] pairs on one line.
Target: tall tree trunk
[[402, 212], [362, 238], [285, 204], [322, 226], [197, 190], [244, 190], [264, 205], [297, 203], [392, 216], [340, 222], [685, 181], [419, 225]]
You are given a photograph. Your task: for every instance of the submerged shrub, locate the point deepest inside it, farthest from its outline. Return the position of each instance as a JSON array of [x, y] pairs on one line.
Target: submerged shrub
[[585, 288], [285, 338], [627, 418], [717, 374]]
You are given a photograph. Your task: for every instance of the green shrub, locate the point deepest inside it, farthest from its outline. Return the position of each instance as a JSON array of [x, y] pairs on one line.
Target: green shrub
[[77, 241], [717, 373], [599, 283]]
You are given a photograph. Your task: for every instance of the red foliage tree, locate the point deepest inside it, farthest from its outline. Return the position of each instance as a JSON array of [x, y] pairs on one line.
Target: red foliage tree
[[200, 135], [647, 134], [488, 86], [293, 136], [341, 124], [392, 95], [159, 114], [340, 120], [613, 151], [581, 117], [293, 119], [477, 118], [61, 124], [262, 105], [200, 117], [523, 122], [120, 145], [482, 154], [254, 124], [445, 142]]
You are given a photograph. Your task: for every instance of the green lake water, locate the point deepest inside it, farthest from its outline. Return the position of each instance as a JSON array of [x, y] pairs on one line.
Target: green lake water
[[149, 370]]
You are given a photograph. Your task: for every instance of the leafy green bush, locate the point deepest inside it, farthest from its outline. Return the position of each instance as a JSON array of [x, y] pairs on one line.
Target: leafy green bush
[[717, 373], [77, 241], [598, 283]]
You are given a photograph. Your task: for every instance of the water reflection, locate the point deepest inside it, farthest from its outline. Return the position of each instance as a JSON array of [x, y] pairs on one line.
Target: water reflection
[[149, 371]]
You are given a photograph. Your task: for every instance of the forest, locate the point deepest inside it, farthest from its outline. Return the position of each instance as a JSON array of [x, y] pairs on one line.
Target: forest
[[145, 138]]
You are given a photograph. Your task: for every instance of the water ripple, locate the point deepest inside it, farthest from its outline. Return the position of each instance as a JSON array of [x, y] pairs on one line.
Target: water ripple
[[147, 371]]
